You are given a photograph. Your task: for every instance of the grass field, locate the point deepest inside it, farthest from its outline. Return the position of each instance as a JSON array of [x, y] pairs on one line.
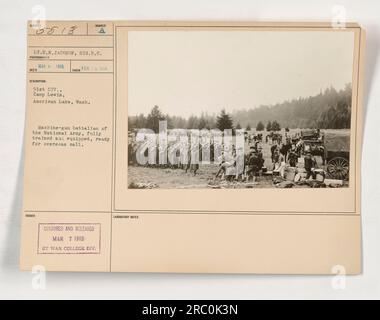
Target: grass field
[[177, 178]]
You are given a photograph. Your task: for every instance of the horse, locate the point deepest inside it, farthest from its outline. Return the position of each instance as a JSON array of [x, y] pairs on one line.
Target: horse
[[316, 150], [285, 149]]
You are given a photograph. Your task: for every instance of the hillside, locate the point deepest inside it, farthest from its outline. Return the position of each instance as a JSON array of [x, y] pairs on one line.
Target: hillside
[[330, 109]]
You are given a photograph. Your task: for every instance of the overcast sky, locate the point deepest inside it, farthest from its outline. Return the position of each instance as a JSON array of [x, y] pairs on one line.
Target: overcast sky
[[189, 72]]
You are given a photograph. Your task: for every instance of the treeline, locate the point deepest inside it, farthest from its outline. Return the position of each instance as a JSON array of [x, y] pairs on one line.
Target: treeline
[[330, 109], [204, 121]]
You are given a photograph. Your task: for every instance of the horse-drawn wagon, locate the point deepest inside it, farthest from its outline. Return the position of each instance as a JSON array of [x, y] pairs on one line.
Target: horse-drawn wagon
[[337, 154], [333, 147], [313, 141]]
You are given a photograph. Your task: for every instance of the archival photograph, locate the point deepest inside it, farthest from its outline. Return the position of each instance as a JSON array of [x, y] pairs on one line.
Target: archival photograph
[[239, 109]]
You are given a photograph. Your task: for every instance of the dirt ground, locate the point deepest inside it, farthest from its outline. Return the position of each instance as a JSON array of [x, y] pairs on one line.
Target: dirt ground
[[172, 178]]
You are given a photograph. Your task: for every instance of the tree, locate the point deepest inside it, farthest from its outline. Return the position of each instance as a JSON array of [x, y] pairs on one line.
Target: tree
[[193, 122], [276, 126], [136, 122], [131, 123], [224, 121], [154, 118], [202, 123], [260, 126], [238, 126], [248, 128], [141, 121], [303, 112], [269, 126]]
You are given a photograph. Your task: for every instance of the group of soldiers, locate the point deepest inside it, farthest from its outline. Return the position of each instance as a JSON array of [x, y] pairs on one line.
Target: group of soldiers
[[287, 154], [240, 166]]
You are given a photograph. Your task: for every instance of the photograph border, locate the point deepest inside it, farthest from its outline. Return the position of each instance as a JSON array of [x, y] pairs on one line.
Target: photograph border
[[356, 101]]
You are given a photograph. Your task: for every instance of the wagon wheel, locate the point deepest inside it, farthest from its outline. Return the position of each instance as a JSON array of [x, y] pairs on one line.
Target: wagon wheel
[[338, 168]]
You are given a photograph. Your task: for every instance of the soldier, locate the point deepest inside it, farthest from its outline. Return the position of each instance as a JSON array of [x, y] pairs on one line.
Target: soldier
[[261, 157], [222, 168], [226, 162], [131, 155], [192, 166], [253, 165], [310, 164], [293, 157], [240, 162], [273, 149]]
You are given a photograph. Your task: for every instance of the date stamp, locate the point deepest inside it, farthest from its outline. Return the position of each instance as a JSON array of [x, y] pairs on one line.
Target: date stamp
[[69, 238]]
